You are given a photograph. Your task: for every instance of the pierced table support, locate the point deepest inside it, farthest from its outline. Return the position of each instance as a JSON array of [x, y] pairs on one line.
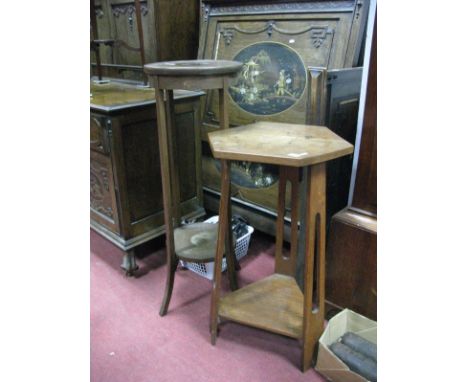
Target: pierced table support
[[314, 267], [224, 225], [286, 264]]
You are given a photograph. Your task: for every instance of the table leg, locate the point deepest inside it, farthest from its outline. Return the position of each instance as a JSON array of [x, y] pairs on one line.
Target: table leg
[[223, 228], [232, 263], [172, 151], [164, 152], [231, 260], [314, 264]]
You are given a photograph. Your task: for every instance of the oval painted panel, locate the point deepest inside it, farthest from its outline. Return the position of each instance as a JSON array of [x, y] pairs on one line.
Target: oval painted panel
[[271, 81]]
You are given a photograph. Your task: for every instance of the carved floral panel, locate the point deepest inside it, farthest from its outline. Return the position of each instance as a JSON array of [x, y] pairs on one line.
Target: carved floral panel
[[99, 189]]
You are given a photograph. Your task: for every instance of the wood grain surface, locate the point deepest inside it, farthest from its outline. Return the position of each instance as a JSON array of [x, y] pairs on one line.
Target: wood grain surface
[[279, 143], [274, 303], [193, 67]]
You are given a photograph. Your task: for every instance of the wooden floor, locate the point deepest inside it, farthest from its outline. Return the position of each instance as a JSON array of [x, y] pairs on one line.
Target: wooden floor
[[274, 303]]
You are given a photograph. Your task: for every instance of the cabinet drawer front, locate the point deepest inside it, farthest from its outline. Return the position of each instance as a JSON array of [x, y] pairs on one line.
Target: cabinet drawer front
[[98, 135], [102, 194]]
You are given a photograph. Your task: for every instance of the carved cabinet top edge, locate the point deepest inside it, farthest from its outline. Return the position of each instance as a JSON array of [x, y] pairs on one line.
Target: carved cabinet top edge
[[117, 97], [217, 8]]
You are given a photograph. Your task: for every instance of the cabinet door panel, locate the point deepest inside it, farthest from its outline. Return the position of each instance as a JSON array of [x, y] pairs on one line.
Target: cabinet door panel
[[142, 163], [142, 168]]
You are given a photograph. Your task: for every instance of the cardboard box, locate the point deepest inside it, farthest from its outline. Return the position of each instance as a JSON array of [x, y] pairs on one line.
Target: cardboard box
[[330, 365]]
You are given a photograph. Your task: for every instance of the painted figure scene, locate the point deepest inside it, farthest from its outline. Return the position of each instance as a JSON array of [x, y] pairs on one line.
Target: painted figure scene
[[271, 81], [252, 175]]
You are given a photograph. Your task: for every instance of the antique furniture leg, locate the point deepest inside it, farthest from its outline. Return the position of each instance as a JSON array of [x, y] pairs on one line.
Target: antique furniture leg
[[167, 198], [223, 230], [314, 267], [232, 263], [129, 264], [172, 263], [172, 149], [231, 260]]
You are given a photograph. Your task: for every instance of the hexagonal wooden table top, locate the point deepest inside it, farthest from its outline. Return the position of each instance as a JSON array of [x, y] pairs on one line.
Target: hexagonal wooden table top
[[279, 143]]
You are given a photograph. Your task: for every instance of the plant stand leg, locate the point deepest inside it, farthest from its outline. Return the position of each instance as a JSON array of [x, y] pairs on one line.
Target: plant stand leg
[[163, 110], [171, 269]]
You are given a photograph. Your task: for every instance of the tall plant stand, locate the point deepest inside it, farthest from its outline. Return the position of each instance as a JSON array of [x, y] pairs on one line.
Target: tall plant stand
[[290, 302], [196, 242]]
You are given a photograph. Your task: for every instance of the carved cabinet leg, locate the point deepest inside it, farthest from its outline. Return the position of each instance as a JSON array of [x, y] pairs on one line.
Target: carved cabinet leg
[[129, 264]]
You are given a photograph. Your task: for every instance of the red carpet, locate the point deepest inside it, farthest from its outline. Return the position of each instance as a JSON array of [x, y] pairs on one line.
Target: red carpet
[[130, 342]]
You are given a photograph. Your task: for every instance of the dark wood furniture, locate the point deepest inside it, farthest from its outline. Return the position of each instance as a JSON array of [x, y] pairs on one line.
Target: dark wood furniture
[[126, 197], [352, 264], [116, 43], [169, 31], [196, 242], [291, 301], [284, 45], [352, 247]]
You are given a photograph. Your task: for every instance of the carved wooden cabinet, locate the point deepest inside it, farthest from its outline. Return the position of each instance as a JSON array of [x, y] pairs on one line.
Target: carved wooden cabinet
[[170, 32], [125, 180], [287, 48]]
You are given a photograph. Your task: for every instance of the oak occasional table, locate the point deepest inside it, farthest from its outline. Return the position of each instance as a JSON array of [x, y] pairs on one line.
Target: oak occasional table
[[189, 242], [291, 301]]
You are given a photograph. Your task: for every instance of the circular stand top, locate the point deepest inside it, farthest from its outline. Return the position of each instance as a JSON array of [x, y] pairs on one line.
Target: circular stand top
[[193, 68]]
